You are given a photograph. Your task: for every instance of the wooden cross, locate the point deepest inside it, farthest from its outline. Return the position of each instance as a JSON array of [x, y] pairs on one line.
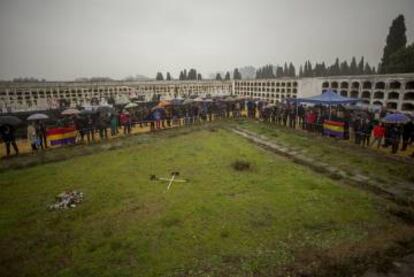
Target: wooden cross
[[170, 180]]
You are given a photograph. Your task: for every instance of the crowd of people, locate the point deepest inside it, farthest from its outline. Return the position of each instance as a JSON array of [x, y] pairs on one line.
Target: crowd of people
[[106, 122], [361, 126]]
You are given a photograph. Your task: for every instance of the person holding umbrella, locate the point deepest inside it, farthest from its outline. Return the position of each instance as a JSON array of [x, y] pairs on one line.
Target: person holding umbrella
[[40, 127], [7, 133], [41, 134], [31, 136], [8, 123], [395, 131]]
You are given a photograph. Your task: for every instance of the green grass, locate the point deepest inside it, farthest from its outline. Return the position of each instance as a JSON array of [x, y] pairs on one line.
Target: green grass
[[343, 155], [274, 216]]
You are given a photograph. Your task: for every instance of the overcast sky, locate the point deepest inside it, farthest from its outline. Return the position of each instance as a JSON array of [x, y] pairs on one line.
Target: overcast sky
[[66, 39]]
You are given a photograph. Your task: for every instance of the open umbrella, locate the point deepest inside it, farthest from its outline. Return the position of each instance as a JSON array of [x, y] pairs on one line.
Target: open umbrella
[[131, 105], [396, 118], [164, 103], [188, 101], [198, 99], [105, 109], [87, 112], [10, 120], [70, 112], [269, 106], [38, 116], [158, 108], [176, 101]]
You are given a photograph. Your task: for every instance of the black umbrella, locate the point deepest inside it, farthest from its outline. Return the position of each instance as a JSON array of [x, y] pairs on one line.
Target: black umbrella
[[105, 109], [87, 112], [10, 120]]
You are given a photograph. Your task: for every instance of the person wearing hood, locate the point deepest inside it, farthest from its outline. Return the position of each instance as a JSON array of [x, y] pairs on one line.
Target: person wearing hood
[[9, 138]]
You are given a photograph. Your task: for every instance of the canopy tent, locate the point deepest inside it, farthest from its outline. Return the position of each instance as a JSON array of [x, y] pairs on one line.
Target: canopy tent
[[327, 98]]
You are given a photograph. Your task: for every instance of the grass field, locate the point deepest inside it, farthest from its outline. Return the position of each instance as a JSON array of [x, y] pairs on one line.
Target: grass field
[[345, 155], [275, 218]]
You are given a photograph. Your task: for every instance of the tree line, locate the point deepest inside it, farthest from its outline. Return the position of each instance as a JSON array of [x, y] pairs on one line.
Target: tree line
[[337, 68], [398, 57], [236, 75], [192, 74], [269, 71]]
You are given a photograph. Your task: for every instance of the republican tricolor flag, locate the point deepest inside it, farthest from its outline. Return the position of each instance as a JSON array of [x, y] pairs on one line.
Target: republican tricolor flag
[[334, 128], [60, 136]]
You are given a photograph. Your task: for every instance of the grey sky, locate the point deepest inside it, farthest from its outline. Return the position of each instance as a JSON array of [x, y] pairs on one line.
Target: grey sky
[[66, 39]]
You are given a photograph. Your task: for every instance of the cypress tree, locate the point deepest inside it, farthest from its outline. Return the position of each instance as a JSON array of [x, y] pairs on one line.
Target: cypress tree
[[323, 70], [236, 74], [292, 70], [402, 61], [344, 68], [367, 69], [395, 41], [361, 66], [227, 77], [285, 70], [159, 77], [310, 70], [335, 68], [279, 71], [353, 68], [168, 78], [218, 77]]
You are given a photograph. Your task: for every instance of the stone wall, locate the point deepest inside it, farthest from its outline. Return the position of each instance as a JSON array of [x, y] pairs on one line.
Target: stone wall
[[49, 95]]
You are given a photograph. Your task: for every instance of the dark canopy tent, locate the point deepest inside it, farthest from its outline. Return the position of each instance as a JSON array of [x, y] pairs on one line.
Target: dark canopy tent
[[328, 98]]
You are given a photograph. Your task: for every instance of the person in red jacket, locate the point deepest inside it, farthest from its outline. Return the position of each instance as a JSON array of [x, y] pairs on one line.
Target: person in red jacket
[[125, 120], [378, 133]]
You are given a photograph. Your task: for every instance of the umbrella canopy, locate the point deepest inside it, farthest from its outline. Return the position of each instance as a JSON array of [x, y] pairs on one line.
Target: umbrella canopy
[[10, 120], [176, 101], [105, 109], [38, 116], [164, 103], [70, 112], [158, 108], [131, 105], [328, 98], [396, 118], [188, 101], [87, 112], [269, 106]]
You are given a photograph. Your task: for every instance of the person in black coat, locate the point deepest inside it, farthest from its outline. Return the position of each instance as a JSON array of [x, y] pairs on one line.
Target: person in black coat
[[357, 125], [395, 137], [408, 129], [7, 133]]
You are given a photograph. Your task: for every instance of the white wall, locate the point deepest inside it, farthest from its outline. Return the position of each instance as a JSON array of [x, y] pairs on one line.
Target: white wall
[[309, 87]]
